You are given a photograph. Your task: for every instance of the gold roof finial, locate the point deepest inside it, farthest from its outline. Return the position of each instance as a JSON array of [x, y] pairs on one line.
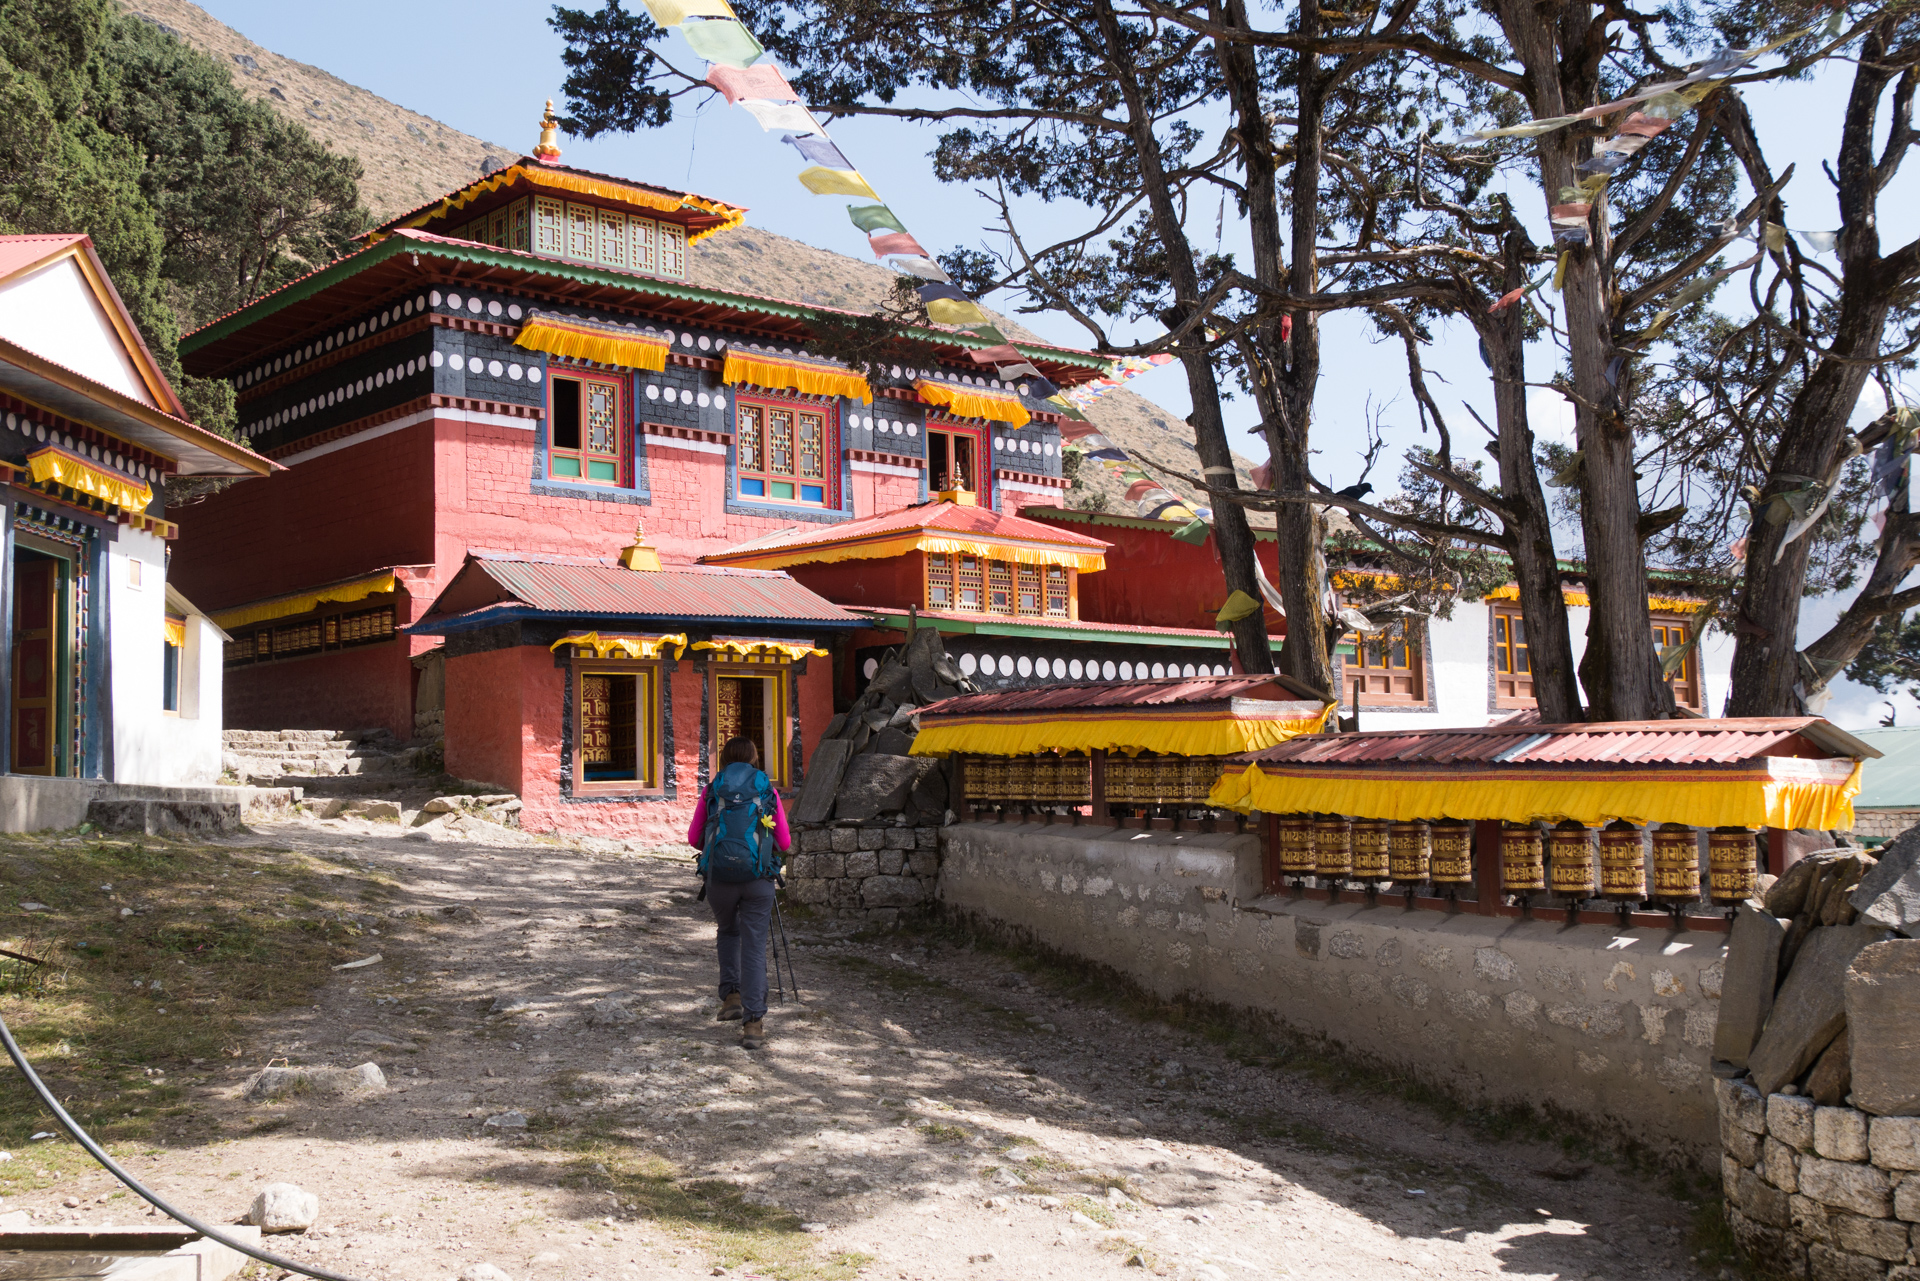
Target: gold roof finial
[[638, 555], [548, 152]]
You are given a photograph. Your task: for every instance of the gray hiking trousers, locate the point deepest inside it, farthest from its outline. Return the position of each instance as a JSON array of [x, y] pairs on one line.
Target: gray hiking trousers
[[744, 914]]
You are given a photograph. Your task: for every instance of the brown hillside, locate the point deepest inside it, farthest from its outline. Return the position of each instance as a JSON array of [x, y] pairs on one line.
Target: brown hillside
[[410, 158]]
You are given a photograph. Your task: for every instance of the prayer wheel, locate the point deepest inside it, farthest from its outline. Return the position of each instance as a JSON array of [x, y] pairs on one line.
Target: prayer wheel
[[1733, 864], [993, 778], [1076, 779], [1523, 864], [1570, 854], [1452, 852], [1372, 850], [1019, 778], [977, 778], [1044, 775], [1120, 780], [1332, 847], [1409, 856], [1202, 772], [1296, 845], [1169, 779], [1676, 862], [1623, 861]]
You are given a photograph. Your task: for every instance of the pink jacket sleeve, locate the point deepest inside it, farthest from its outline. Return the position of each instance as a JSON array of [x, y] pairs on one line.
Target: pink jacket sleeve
[[782, 838], [697, 830]]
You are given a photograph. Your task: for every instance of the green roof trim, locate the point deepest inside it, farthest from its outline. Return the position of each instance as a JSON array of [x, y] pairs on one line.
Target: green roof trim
[[486, 255], [990, 626]]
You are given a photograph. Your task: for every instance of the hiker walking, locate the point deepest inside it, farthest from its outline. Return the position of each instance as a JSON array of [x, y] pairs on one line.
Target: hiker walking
[[740, 830]]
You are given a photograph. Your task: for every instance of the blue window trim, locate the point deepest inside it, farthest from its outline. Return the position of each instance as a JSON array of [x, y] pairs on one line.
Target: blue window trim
[[637, 495], [736, 505]]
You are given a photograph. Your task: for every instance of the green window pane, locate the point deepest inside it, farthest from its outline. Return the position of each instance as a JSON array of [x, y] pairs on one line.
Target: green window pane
[[603, 471], [566, 466], [782, 489]]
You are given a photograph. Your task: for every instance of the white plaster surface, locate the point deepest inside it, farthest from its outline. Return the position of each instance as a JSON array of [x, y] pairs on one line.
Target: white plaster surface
[[151, 745], [54, 313]]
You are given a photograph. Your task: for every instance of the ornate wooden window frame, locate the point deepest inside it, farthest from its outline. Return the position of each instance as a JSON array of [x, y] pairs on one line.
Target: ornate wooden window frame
[[777, 671], [765, 405], [584, 458], [650, 722]]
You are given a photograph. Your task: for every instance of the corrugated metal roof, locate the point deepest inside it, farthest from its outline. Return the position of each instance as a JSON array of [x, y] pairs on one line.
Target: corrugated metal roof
[[1171, 691], [1674, 742], [945, 517], [693, 592], [1893, 782], [532, 162]]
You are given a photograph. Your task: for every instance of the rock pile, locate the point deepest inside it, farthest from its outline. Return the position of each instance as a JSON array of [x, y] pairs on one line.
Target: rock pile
[[861, 771], [1818, 1054]]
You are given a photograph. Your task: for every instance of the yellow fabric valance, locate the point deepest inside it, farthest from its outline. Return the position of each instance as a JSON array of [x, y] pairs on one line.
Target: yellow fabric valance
[[791, 650], [612, 646], [58, 467], [1775, 791], [576, 339], [776, 370], [1578, 599], [1087, 561], [304, 602], [176, 629], [1129, 731], [545, 179], [974, 402]]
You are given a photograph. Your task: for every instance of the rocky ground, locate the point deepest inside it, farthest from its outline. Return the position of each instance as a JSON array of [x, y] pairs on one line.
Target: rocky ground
[[561, 1104]]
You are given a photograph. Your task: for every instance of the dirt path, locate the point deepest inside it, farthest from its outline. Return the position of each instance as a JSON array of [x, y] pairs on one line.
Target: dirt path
[[928, 1112]]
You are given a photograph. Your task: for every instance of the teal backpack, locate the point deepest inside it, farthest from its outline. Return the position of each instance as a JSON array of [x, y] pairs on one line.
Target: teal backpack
[[739, 837]]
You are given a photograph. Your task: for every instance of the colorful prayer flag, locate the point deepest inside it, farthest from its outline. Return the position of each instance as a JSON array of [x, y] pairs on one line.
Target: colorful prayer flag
[[924, 268], [818, 149], [870, 218], [775, 116], [994, 355], [822, 181], [723, 41], [671, 13], [948, 311], [764, 80], [898, 242]]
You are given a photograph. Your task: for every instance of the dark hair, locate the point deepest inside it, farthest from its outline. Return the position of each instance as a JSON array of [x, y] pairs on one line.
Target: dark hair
[[739, 749]]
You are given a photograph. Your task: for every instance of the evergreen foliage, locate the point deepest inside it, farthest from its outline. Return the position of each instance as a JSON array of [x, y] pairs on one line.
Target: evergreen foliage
[[198, 199]]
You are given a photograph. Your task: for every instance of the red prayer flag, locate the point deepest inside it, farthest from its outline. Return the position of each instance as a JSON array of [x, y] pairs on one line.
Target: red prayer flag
[[1140, 489], [762, 80], [1507, 300], [898, 242], [1644, 126], [994, 355]]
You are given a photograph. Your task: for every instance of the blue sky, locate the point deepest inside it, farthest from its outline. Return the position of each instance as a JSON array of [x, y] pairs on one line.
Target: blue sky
[[487, 66]]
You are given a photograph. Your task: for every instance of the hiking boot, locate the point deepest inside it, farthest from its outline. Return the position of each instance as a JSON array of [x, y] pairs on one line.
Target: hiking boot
[[752, 1037], [730, 1008]]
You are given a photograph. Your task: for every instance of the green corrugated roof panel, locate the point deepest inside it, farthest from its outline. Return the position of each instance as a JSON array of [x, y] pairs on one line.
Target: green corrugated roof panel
[[1893, 781]]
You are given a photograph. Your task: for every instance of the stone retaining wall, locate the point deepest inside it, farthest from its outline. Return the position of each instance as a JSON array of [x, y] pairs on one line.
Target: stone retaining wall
[[1827, 1193], [1607, 1026], [874, 871]]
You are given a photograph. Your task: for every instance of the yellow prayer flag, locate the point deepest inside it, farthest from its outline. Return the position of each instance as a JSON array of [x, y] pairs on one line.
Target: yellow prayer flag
[[671, 13], [954, 311], [822, 181]]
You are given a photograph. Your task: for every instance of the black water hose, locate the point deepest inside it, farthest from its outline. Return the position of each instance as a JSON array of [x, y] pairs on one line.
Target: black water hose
[[99, 1154]]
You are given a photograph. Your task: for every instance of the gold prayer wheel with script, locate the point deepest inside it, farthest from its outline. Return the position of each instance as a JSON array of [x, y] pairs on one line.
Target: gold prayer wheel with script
[[1296, 845], [1733, 864], [1019, 778], [1074, 779], [1372, 851], [1332, 847], [1523, 864], [1452, 862], [1676, 862], [1623, 861], [1570, 855], [1409, 856]]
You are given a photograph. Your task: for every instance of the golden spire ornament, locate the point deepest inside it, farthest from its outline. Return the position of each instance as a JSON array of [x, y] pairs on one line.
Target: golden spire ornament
[[548, 152]]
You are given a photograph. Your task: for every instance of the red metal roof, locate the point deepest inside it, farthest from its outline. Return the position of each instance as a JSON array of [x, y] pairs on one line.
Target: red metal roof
[[17, 252], [578, 587], [534, 163], [1171, 691], [1673, 742], [944, 517]]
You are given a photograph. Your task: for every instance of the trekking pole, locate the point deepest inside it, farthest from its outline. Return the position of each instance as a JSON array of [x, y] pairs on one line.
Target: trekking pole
[[781, 922]]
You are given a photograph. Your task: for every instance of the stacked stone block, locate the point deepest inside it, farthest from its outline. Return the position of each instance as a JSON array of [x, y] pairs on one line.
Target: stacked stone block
[[1826, 1193], [865, 871]]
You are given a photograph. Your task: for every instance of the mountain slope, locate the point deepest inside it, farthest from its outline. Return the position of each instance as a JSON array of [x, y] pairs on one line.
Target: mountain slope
[[410, 158]]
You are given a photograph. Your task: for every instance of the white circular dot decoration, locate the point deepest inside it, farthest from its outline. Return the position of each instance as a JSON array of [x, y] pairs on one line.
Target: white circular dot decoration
[[999, 443], [1049, 449], [1025, 665], [686, 397], [495, 368], [686, 340], [1059, 669], [1159, 670], [704, 400], [514, 372], [386, 318], [653, 391], [474, 305], [409, 369], [1107, 670], [1126, 671], [896, 371], [494, 309], [1026, 446], [1075, 669], [453, 300], [420, 303], [406, 307], [1189, 670], [969, 664], [457, 361], [869, 667], [276, 364], [437, 359], [514, 312], [706, 343], [912, 430], [533, 374]]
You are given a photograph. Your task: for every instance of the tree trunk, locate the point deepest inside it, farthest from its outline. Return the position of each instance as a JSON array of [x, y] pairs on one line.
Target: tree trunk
[[1528, 523], [1899, 553], [1766, 659], [1232, 535]]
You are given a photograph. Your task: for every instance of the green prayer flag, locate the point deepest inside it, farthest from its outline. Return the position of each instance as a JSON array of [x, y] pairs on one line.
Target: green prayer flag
[[872, 218], [723, 41], [1194, 531]]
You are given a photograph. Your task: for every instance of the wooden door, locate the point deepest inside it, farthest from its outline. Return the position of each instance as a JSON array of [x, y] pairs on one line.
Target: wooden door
[[35, 705]]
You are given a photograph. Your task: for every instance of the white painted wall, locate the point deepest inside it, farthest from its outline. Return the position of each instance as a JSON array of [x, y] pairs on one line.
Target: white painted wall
[[1462, 657], [55, 313], [151, 745]]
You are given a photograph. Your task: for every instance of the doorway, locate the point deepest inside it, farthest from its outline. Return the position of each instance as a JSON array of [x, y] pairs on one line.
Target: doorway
[[38, 709], [953, 460], [749, 706]]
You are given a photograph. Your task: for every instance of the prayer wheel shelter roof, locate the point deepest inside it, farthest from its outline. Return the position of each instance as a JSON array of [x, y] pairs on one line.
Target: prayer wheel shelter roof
[[1175, 715], [940, 526], [1788, 772]]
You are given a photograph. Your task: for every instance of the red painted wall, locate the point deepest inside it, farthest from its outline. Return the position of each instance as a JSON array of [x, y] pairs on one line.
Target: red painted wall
[[486, 722], [898, 581], [1152, 580], [367, 688]]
